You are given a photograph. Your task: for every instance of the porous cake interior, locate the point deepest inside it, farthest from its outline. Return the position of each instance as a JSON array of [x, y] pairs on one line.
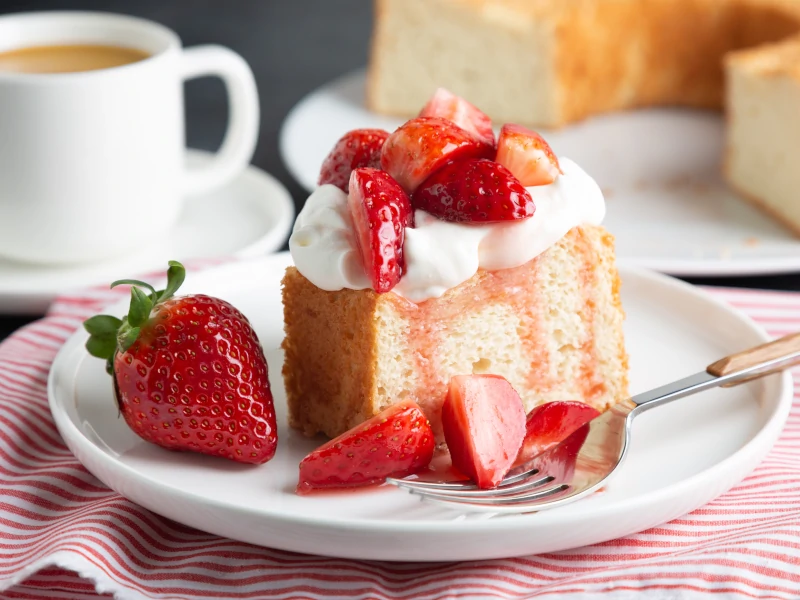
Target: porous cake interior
[[552, 327]]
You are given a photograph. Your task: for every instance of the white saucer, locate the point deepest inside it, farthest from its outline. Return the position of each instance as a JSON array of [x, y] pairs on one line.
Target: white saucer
[[660, 168], [682, 455], [248, 217]]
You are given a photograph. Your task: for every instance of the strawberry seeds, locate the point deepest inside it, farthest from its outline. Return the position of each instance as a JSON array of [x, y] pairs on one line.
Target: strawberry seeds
[[445, 162]]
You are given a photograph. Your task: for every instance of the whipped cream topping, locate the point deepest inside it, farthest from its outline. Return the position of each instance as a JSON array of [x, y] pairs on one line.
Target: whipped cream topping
[[439, 255]]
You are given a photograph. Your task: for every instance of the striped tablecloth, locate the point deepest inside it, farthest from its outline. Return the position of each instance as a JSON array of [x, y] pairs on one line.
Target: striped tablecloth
[[65, 535]]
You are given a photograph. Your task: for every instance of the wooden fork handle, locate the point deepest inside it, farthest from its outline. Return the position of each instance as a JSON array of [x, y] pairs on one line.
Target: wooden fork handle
[[765, 352]]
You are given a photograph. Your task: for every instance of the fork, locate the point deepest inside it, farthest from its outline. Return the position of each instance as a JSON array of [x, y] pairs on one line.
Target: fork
[[582, 462]]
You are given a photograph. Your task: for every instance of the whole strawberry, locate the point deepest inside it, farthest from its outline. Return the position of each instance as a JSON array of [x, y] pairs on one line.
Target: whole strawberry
[[189, 372]]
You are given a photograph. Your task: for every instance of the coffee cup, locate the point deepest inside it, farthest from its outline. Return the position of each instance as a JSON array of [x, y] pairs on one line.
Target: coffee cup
[[92, 142]]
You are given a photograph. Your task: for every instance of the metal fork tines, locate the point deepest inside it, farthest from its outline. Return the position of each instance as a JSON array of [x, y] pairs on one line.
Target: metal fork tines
[[582, 463], [519, 489]]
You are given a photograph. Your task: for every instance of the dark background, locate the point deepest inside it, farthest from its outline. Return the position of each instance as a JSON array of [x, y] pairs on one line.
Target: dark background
[[293, 47]]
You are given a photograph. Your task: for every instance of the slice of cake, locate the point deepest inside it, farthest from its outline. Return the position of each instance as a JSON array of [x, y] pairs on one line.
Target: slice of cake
[[763, 144], [459, 255], [552, 328]]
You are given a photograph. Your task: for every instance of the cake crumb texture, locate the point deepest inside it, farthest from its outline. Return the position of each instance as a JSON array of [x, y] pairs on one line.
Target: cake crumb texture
[[552, 327]]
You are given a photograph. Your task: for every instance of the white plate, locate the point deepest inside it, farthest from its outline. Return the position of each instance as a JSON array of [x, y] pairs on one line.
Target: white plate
[[682, 456], [660, 170], [248, 217]]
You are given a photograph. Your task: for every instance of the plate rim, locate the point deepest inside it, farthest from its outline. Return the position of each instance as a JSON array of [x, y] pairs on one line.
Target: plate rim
[[272, 239], [72, 434], [292, 116], [683, 267]]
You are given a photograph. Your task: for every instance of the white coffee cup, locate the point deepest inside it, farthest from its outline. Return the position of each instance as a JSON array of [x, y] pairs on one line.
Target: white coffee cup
[[92, 163]]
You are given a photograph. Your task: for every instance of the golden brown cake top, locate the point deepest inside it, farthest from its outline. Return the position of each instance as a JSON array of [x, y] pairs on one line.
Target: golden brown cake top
[[770, 61]]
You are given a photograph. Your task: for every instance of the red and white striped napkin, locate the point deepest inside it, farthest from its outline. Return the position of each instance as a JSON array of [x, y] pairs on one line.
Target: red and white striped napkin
[[64, 535]]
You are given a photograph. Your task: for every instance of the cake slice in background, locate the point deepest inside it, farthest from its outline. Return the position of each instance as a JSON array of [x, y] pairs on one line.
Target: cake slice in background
[[763, 138], [552, 62]]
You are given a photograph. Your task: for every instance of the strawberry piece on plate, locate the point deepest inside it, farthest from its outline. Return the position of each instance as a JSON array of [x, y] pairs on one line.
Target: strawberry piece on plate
[[484, 424], [559, 462], [475, 190], [394, 443], [527, 156], [189, 372], [447, 105], [550, 423], [381, 212], [357, 148], [422, 145]]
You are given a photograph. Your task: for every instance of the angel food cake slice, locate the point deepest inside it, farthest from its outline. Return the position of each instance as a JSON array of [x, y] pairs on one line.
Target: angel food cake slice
[[459, 255]]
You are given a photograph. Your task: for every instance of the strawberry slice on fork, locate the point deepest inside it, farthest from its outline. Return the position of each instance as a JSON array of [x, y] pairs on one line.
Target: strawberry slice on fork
[[484, 425]]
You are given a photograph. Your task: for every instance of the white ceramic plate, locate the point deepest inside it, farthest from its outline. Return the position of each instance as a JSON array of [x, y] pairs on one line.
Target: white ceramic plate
[[248, 217], [682, 456], [659, 168]]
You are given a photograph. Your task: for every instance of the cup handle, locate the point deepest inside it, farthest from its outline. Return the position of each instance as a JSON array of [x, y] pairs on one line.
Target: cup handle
[[242, 134]]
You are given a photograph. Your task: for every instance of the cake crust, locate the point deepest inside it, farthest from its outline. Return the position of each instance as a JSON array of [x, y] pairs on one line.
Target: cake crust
[[552, 327]]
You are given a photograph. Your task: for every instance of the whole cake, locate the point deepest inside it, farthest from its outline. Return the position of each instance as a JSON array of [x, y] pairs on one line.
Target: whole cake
[[552, 62], [436, 251]]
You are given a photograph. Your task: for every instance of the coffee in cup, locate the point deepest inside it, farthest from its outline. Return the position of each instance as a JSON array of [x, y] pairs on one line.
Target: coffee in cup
[[74, 58]]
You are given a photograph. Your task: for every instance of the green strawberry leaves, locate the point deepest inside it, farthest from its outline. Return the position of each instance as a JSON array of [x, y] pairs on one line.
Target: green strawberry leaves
[[141, 305], [108, 334], [102, 335], [175, 276]]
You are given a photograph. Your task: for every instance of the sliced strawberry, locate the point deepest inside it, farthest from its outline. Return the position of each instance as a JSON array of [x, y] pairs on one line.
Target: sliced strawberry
[[395, 443], [422, 145], [559, 462], [549, 423], [527, 156], [484, 424], [447, 105], [357, 148], [381, 212], [475, 190]]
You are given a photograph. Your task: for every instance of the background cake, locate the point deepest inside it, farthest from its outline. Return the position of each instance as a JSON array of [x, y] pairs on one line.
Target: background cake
[[551, 62], [764, 128]]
